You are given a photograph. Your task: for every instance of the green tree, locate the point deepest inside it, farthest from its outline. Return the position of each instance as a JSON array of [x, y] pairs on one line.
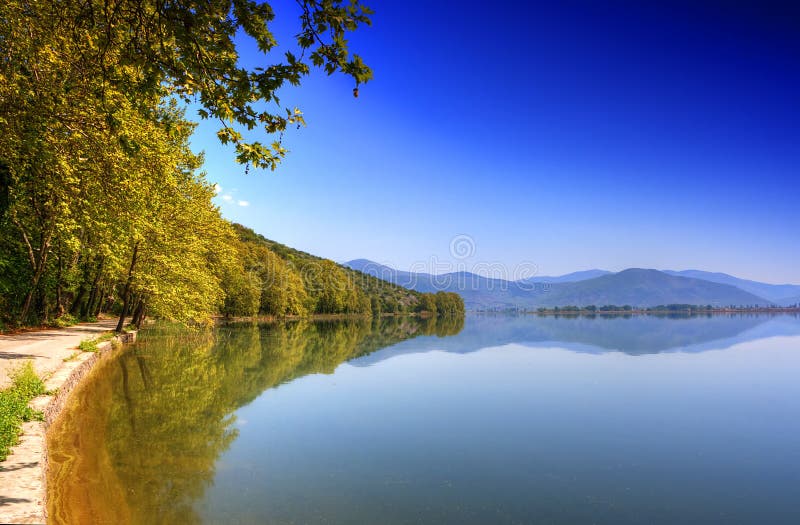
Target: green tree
[[99, 193]]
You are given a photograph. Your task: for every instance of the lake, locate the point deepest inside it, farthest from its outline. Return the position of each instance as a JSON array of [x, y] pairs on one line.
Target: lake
[[493, 419]]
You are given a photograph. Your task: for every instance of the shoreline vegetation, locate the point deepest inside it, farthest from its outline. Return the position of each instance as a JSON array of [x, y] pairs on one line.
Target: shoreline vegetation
[[680, 309], [281, 282], [221, 319], [260, 279]]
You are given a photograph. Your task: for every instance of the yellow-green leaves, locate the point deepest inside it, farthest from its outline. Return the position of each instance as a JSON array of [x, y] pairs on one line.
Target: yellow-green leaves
[[94, 153]]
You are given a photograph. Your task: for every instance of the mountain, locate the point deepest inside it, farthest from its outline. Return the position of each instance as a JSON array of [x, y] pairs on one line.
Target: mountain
[[478, 292], [640, 287], [782, 294], [636, 287], [569, 277], [381, 271], [790, 301]]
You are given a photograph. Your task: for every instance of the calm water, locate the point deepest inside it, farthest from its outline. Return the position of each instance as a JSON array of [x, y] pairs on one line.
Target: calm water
[[504, 420]]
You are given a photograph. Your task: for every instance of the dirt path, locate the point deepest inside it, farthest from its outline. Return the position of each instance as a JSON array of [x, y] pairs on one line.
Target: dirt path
[[46, 348]]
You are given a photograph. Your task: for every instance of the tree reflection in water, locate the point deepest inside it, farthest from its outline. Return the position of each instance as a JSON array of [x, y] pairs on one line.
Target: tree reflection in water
[[140, 438]]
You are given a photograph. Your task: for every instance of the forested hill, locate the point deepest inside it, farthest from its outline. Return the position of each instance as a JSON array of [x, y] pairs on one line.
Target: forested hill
[[279, 280], [103, 207]]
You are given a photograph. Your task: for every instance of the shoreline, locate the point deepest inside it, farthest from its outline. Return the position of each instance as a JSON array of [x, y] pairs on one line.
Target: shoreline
[[23, 475], [316, 317], [660, 312], [641, 311]]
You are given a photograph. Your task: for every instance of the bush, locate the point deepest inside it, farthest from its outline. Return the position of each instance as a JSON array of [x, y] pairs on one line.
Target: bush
[[65, 321]]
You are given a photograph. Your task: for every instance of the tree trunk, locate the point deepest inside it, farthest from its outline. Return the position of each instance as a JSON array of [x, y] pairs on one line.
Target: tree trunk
[[41, 306], [37, 266], [77, 301], [99, 306], [60, 288], [127, 291], [39, 269], [89, 306], [138, 315]]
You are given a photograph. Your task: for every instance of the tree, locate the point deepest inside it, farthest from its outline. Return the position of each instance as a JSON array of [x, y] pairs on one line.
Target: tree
[[449, 304], [427, 304], [99, 192], [283, 292], [187, 50]]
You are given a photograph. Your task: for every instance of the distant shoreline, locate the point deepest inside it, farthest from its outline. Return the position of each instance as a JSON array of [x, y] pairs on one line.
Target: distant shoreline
[[644, 311]]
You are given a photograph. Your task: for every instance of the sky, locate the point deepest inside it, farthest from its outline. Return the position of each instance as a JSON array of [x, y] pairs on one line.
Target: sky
[[542, 138]]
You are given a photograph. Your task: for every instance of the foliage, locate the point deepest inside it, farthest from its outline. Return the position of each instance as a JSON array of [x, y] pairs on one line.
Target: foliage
[[102, 206], [296, 283], [88, 345], [65, 320], [449, 304], [14, 409], [427, 304]]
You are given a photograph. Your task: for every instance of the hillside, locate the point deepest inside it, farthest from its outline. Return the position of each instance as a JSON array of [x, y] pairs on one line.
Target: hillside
[[790, 301], [294, 282], [478, 292], [635, 287], [407, 280], [569, 277], [783, 294], [640, 287]]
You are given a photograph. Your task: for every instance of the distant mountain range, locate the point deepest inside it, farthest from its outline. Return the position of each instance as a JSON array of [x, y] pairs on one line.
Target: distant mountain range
[[634, 286], [569, 277], [777, 293]]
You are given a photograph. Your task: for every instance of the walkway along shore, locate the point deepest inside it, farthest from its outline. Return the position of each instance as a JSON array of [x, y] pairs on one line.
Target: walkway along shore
[[61, 365]]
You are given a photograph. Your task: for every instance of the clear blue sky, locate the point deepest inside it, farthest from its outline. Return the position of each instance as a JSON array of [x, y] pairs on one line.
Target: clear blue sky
[[570, 135]]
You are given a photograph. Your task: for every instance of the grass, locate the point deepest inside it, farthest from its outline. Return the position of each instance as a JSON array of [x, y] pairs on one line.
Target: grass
[[14, 409], [71, 357], [105, 337], [90, 345]]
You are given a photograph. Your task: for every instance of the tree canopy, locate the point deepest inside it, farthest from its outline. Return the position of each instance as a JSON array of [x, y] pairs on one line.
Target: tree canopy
[[102, 205]]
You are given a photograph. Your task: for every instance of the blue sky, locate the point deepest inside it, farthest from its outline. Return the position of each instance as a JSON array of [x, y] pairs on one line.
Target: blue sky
[[561, 135]]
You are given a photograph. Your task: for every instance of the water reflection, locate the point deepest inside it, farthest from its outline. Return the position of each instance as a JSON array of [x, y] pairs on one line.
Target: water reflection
[[141, 438], [630, 334]]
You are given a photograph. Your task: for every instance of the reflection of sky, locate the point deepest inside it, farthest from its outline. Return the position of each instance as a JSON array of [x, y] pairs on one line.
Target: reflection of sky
[[513, 433], [633, 335]]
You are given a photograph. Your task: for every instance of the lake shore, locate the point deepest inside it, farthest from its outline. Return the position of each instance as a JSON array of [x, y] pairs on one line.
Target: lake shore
[[317, 317], [665, 311], [58, 361]]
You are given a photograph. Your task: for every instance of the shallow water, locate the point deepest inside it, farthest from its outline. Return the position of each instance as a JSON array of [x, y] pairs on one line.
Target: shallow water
[[509, 420]]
